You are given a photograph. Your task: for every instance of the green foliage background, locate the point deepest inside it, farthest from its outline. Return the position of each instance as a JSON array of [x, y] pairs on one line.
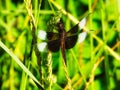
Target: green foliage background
[[92, 65]]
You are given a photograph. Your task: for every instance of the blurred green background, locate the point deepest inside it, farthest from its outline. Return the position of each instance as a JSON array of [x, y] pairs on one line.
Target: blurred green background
[[92, 65]]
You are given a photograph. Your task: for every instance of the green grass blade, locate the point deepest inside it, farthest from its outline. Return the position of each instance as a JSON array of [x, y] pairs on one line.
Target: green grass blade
[[19, 63]]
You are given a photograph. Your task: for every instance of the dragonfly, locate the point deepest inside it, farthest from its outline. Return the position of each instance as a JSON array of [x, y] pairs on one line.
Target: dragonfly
[[62, 39]]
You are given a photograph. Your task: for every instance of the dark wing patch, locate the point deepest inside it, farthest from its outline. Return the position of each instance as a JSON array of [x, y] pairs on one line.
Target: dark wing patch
[[73, 31], [70, 41], [71, 37], [52, 36], [54, 45], [53, 41]]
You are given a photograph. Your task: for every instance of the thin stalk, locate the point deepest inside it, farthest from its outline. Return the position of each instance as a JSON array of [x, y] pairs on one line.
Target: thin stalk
[[104, 28], [91, 43], [51, 6], [48, 72], [76, 60], [34, 37], [118, 22], [11, 72], [24, 80]]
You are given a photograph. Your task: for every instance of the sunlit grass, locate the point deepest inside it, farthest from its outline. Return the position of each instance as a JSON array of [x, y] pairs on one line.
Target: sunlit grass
[[93, 64]]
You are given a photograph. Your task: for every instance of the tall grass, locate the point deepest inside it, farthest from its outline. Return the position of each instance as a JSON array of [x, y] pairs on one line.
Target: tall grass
[[91, 65]]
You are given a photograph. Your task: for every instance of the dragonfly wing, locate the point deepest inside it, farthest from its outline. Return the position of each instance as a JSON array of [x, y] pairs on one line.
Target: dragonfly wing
[[52, 36], [54, 45], [42, 34], [73, 30], [72, 34], [70, 41], [76, 28], [82, 23], [81, 37], [42, 46], [53, 41], [71, 37]]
